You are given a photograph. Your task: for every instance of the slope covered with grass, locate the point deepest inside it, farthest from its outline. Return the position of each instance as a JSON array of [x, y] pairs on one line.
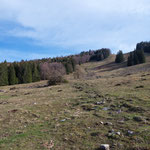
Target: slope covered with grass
[[108, 104]]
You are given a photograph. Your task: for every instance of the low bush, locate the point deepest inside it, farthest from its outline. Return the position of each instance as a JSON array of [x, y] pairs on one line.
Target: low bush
[[56, 80]]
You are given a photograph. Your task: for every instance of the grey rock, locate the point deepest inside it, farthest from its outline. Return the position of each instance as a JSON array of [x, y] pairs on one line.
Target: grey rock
[[100, 103], [101, 122], [129, 133], [118, 133], [106, 108], [121, 121], [104, 147], [108, 123], [63, 120]]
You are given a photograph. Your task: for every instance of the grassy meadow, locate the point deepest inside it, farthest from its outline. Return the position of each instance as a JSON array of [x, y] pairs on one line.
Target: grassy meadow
[[106, 104]]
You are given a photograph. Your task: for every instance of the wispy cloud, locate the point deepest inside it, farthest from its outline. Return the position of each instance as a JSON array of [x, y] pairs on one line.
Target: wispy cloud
[[76, 24]]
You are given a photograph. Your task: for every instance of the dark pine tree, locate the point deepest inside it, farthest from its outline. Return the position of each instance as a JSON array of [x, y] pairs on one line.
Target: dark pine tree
[[135, 58], [141, 56], [73, 64], [27, 73], [19, 71], [130, 60], [68, 67], [3, 74], [35, 73], [12, 75], [119, 57]]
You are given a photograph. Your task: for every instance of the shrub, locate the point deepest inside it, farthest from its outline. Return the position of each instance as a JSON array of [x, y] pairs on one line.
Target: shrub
[[55, 80]]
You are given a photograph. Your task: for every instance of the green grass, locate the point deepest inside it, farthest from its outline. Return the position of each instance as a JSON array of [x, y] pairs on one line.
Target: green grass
[[68, 114]]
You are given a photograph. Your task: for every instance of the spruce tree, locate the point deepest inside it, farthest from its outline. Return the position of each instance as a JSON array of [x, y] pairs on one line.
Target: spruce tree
[[35, 73], [27, 73], [130, 60], [19, 72], [3, 74], [12, 75], [135, 58], [68, 68], [73, 64], [119, 57], [141, 56]]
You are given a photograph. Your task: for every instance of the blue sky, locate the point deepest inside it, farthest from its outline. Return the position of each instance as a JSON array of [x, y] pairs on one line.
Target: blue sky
[[32, 29]]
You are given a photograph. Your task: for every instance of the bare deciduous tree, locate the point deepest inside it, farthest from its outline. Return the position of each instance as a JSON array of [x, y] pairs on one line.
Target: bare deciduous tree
[[49, 70]]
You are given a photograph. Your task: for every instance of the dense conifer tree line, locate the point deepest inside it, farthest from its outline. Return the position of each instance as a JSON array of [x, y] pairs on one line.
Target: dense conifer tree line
[[100, 55], [145, 46], [136, 57], [36, 70]]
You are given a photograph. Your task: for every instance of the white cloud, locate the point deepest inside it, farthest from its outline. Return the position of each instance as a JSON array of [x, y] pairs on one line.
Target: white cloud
[[80, 23]]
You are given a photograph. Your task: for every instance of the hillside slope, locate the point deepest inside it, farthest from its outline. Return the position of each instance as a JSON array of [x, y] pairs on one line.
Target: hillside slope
[[107, 104]]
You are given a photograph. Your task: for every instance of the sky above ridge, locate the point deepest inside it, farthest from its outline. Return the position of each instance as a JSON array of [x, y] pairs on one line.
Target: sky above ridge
[[33, 29]]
